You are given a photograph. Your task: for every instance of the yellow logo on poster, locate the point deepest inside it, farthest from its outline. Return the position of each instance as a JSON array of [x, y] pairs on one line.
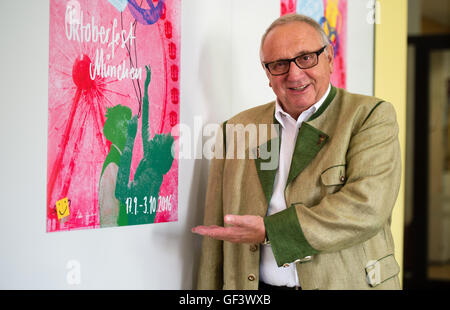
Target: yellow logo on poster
[[62, 208]]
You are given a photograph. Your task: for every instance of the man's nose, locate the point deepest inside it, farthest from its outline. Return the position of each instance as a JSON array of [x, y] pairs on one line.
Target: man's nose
[[295, 72]]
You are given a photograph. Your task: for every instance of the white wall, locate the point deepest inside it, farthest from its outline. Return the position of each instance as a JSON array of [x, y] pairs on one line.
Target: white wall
[[360, 48], [220, 76]]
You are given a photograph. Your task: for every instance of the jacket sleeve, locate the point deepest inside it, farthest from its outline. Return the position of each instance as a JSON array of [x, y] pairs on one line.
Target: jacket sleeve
[[360, 209], [210, 274]]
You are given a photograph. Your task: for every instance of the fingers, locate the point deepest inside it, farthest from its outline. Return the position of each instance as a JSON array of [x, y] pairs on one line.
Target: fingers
[[148, 68], [215, 232], [204, 230], [133, 120], [240, 228], [233, 220], [149, 75]]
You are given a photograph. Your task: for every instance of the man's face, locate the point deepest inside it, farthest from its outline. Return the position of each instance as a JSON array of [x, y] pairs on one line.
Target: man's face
[[298, 89]]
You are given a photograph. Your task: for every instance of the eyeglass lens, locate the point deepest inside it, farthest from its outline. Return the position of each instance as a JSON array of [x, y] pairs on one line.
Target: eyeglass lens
[[304, 62]]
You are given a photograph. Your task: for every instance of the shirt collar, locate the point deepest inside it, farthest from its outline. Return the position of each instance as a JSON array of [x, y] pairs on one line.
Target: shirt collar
[[283, 116]]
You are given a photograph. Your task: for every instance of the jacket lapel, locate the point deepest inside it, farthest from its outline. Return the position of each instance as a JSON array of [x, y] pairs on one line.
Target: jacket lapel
[[267, 171], [309, 142], [266, 161]]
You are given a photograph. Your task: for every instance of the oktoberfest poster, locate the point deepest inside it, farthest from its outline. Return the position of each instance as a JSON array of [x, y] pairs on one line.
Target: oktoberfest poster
[[332, 16], [113, 100]]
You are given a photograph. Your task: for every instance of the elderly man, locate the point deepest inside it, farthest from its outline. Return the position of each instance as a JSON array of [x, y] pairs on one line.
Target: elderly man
[[321, 218]]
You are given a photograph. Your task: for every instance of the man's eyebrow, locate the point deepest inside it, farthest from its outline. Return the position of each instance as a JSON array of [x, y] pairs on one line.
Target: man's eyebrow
[[296, 55]]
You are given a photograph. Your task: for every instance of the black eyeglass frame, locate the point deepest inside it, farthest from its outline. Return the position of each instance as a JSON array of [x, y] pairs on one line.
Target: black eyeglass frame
[[293, 60]]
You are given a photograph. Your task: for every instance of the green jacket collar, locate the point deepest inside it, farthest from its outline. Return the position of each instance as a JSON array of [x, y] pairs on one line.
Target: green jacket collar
[[325, 104], [310, 141]]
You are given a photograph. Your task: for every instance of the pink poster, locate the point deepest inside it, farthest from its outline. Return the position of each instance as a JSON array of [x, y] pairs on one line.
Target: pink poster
[[332, 15], [113, 99]]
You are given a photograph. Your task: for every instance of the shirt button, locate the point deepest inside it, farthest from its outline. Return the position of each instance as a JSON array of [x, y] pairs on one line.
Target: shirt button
[[253, 248], [251, 277]]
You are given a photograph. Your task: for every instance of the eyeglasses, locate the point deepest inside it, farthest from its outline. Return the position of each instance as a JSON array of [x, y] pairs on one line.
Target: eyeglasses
[[304, 61]]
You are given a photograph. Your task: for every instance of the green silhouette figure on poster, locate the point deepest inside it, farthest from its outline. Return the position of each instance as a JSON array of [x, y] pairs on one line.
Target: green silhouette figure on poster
[[112, 212], [140, 196]]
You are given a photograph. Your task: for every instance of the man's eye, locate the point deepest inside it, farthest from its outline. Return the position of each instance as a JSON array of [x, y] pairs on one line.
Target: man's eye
[[280, 64], [307, 57]]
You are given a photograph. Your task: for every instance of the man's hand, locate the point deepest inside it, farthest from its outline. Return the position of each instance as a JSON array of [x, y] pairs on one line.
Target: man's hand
[[149, 76], [241, 229], [132, 127]]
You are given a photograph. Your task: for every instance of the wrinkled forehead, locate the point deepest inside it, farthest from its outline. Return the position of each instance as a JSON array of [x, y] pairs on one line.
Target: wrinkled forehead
[[289, 40]]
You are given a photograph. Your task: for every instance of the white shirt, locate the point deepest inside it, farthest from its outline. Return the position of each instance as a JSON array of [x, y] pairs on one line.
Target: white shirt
[[270, 273]]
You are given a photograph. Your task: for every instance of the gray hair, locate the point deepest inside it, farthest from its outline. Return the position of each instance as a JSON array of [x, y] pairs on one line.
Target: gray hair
[[290, 18]]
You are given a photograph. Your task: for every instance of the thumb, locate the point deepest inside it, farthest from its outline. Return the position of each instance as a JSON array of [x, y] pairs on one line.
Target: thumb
[[235, 220], [230, 219]]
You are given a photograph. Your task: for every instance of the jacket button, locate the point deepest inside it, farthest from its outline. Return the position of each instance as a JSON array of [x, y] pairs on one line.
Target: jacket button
[[305, 259], [321, 139], [253, 248], [251, 277], [342, 178]]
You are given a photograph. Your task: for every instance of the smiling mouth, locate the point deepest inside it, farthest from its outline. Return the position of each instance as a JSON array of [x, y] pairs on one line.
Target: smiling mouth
[[300, 87]]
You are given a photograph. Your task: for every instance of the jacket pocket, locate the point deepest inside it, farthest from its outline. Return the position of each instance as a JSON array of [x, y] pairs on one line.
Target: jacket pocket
[[381, 270], [333, 176], [332, 179]]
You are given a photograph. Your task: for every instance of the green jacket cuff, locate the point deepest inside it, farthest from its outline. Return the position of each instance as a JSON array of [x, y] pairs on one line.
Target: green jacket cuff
[[286, 237]]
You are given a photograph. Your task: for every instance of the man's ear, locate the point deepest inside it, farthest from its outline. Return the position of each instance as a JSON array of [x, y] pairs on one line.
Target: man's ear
[[267, 73], [268, 76], [330, 56]]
